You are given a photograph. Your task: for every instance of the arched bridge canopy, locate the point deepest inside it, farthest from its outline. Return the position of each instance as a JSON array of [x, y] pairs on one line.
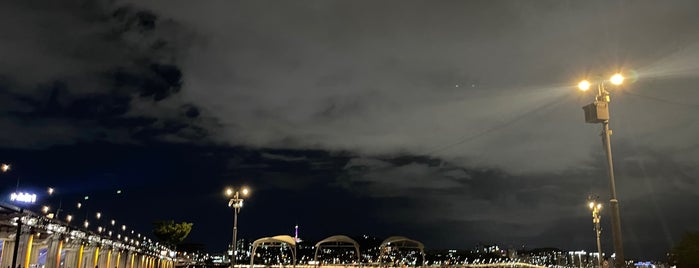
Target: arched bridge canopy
[[402, 242], [278, 241], [275, 240], [337, 241]]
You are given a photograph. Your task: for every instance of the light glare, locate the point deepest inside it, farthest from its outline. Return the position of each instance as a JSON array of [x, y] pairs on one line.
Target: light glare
[[584, 85], [617, 79]]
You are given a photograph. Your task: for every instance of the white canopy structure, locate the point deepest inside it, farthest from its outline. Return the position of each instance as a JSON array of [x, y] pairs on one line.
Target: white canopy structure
[[337, 241], [400, 242], [274, 241]]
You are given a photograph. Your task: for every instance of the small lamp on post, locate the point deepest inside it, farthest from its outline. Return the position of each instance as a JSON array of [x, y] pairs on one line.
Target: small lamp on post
[[595, 208], [236, 202]]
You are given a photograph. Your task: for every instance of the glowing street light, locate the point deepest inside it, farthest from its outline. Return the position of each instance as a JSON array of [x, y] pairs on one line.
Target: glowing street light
[[50, 191], [598, 112], [236, 202], [5, 167], [617, 79], [69, 218], [584, 85], [98, 215], [113, 222], [86, 223], [596, 207], [45, 209], [123, 227]]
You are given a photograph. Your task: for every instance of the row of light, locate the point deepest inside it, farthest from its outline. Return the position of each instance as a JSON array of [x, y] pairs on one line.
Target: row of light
[[98, 215], [45, 209]]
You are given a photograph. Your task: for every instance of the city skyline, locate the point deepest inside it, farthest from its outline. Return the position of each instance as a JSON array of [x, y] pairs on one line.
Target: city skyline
[[452, 123]]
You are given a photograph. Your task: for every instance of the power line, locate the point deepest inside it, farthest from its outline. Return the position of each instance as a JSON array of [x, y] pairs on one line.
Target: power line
[[695, 106], [497, 127]]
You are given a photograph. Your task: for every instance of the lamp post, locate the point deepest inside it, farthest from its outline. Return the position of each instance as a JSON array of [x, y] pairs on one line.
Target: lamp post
[[236, 202], [596, 208], [598, 112]]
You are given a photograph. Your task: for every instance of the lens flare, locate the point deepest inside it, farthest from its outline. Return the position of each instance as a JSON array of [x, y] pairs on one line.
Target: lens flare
[[617, 79], [584, 85]]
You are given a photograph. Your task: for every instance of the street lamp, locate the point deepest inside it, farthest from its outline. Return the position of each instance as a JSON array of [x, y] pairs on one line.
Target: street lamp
[[236, 202], [596, 208], [598, 112], [5, 167]]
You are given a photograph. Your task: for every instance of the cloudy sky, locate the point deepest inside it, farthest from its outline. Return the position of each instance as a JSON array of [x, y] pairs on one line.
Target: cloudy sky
[[451, 122]]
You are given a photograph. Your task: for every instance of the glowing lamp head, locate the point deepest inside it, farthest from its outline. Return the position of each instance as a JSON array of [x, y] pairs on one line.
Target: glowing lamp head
[[113, 222], [69, 218], [123, 227], [50, 190], [246, 191], [45, 209], [592, 205], [79, 205], [5, 167], [86, 224], [98, 215], [229, 192], [617, 79], [599, 206], [584, 85]]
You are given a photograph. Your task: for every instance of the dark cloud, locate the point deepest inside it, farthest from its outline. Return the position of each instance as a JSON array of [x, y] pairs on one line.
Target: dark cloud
[[111, 56]]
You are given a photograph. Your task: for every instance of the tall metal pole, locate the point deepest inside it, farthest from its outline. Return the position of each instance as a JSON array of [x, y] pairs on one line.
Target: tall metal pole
[[15, 250], [613, 202], [236, 203], [235, 234]]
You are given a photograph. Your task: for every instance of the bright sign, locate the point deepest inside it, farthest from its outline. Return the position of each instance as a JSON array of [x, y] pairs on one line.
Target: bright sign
[[23, 197]]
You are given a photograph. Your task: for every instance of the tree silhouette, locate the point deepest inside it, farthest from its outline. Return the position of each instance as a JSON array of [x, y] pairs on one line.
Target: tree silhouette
[[171, 233], [686, 253]]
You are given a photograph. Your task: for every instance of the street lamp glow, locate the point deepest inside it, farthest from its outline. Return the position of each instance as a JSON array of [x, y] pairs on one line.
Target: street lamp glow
[[86, 223], [98, 215], [113, 222], [123, 227], [584, 85], [592, 205], [45, 209], [50, 190], [80, 205], [617, 79], [5, 167], [69, 218], [235, 202]]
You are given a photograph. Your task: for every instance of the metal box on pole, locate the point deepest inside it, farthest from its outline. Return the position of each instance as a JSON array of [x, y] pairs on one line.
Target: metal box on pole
[[596, 112]]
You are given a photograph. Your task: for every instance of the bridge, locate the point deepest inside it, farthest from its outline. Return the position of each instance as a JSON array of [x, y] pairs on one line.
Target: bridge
[[33, 240]]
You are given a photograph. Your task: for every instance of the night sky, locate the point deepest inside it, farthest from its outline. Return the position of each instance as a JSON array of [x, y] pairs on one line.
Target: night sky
[[450, 122]]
